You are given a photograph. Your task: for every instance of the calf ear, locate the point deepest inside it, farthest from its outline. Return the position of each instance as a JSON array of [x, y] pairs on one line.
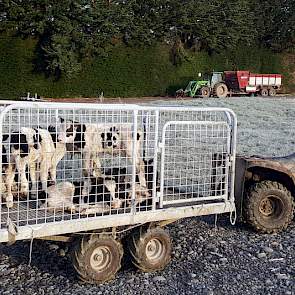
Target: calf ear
[[5, 137], [61, 120]]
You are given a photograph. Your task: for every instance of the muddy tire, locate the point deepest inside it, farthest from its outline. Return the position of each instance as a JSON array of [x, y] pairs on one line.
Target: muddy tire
[[264, 92], [221, 90], [150, 249], [97, 258], [205, 92], [268, 207], [272, 92]]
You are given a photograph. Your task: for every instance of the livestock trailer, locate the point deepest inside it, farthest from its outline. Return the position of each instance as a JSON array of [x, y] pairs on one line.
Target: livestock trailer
[[94, 171], [245, 82]]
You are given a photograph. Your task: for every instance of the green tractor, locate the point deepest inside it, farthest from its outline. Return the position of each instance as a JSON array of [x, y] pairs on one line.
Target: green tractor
[[202, 87]]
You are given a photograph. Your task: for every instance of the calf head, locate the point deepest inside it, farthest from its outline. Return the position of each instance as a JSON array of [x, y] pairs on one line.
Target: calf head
[[110, 138], [71, 133]]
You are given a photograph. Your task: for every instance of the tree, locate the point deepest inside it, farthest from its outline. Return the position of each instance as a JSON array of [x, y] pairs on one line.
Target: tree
[[276, 23]]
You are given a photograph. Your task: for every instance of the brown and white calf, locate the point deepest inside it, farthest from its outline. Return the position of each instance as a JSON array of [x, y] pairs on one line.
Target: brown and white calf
[[94, 140]]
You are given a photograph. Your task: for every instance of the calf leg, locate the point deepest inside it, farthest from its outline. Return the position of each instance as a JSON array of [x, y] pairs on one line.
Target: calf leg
[[33, 176], [57, 157], [87, 168], [21, 165], [97, 167], [140, 170], [10, 174], [44, 168]]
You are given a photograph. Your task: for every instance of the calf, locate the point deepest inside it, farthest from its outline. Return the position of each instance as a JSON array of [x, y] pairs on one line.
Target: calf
[[52, 152], [111, 191], [37, 149], [24, 151], [8, 177], [96, 139], [67, 196]]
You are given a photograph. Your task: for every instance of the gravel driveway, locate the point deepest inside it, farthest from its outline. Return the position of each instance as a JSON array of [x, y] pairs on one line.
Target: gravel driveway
[[206, 260]]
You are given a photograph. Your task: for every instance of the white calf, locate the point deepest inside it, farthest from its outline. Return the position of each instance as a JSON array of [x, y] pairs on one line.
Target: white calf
[[96, 139]]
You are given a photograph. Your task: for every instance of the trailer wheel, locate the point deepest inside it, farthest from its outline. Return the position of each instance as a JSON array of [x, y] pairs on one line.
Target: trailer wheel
[[205, 92], [150, 249], [268, 207], [221, 90], [264, 92], [272, 92], [97, 258]]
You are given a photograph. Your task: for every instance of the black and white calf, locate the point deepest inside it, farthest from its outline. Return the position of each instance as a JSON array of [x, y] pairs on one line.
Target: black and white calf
[[66, 196], [24, 152], [113, 191], [94, 140], [36, 149]]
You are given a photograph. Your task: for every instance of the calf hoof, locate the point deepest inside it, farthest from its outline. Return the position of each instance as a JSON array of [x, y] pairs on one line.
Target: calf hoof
[[24, 191], [23, 194], [97, 174], [117, 203], [71, 209], [51, 182], [9, 203]]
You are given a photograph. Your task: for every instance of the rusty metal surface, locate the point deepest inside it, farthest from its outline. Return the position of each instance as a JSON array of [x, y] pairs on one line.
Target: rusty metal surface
[[282, 164]]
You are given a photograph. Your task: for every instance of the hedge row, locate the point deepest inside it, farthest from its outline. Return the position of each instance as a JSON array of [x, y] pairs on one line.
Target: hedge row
[[125, 72]]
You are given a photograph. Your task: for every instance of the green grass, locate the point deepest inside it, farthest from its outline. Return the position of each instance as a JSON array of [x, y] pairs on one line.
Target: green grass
[[125, 72]]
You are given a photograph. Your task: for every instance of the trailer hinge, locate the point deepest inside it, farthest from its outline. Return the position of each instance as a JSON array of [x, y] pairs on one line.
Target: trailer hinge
[[231, 160], [158, 196]]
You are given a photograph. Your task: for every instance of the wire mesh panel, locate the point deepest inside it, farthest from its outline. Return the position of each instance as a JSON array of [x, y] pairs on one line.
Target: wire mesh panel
[[71, 163], [63, 163], [195, 161]]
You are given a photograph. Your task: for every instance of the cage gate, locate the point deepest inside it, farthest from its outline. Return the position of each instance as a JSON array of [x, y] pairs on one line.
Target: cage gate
[[195, 162]]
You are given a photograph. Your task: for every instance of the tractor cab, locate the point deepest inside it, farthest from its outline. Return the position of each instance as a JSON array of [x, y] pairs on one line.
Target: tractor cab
[[216, 77], [203, 86]]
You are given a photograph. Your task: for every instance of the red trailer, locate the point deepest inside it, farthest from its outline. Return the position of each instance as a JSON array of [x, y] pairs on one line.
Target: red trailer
[[244, 82]]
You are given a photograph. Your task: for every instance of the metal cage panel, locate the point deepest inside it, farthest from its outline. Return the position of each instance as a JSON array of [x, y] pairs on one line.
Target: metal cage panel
[[68, 164]]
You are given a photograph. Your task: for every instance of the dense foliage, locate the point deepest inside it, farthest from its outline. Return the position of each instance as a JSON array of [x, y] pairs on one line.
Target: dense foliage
[[72, 31], [127, 71]]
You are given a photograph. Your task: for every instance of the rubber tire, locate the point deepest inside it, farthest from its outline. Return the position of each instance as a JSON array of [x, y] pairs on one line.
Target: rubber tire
[[264, 92], [82, 253], [221, 90], [270, 224], [205, 92], [272, 92], [137, 246]]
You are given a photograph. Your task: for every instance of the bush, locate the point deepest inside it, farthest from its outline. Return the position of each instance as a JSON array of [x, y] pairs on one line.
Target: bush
[[124, 72]]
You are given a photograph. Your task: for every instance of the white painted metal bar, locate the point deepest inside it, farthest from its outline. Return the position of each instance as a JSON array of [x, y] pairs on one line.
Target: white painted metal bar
[[82, 225]]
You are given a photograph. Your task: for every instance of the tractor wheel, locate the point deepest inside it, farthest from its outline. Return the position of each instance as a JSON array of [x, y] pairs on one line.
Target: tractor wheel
[[264, 92], [272, 92], [221, 90], [268, 207], [97, 258], [150, 249], [205, 92]]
